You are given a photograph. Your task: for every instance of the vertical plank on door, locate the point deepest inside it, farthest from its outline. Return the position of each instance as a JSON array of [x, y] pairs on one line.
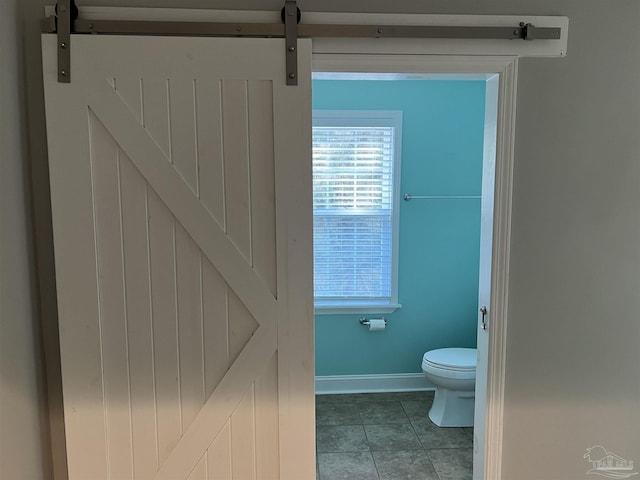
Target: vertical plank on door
[[266, 401], [292, 140], [262, 175], [243, 446], [163, 294], [76, 274], [130, 89], [236, 164], [209, 132], [219, 455], [115, 368], [182, 130], [138, 301], [155, 106], [215, 326], [189, 326]]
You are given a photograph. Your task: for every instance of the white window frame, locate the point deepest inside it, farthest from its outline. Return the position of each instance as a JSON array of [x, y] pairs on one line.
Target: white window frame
[[369, 118]]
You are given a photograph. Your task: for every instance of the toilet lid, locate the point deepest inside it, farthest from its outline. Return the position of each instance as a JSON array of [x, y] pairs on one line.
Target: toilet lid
[[452, 358]]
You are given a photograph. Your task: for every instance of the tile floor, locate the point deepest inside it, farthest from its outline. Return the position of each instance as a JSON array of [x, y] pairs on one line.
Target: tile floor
[[388, 436]]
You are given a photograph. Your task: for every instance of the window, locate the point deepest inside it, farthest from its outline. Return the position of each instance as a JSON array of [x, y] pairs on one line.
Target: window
[[356, 166]]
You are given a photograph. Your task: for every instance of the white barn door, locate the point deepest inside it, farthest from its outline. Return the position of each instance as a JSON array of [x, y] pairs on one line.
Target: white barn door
[[181, 198]]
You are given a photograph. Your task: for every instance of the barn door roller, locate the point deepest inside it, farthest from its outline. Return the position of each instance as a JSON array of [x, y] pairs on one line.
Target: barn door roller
[[66, 22]]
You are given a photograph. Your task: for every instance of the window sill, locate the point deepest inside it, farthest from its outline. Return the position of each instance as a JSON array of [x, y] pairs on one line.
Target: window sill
[[356, 309]]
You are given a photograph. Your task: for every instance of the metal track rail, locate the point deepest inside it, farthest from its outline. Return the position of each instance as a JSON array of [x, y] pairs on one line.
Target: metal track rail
[[65, 23]]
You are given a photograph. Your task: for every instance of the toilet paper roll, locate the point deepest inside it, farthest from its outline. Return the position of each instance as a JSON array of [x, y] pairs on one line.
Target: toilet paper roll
[[377, 324]]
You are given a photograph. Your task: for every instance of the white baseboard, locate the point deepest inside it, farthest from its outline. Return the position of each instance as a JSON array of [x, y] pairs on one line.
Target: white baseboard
[[397, 382]]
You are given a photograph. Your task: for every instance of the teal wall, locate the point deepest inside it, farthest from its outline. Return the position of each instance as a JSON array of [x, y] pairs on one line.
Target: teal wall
[[442, 143]]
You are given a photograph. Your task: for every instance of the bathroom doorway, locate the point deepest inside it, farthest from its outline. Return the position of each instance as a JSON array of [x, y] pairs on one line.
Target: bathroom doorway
[[494, 82]]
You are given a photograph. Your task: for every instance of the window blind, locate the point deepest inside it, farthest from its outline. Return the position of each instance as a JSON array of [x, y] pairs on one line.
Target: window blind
[[353, 212]]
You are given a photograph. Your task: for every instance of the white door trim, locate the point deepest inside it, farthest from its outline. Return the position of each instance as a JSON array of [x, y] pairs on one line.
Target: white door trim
[[501, 250], [506, 68]]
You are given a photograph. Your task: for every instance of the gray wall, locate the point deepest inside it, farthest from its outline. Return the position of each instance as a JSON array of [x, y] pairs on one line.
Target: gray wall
[[573, 356], [574, 331], [23, 425]]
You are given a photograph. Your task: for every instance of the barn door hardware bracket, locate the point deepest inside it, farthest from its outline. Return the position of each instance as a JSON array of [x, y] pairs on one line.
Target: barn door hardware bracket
[[291, 17], [66, 14], [528, 31]]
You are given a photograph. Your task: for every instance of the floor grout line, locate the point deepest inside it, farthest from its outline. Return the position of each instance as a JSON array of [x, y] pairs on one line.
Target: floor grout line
[[355, 403]]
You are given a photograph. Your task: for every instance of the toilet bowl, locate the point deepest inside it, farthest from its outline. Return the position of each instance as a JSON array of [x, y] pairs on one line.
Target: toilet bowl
[[453, 372]]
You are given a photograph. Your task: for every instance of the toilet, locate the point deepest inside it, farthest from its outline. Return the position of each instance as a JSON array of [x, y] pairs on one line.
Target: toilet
[[453, 372]]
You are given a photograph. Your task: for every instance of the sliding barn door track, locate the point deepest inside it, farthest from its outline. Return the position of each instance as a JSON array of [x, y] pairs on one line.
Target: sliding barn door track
[[66, 21]]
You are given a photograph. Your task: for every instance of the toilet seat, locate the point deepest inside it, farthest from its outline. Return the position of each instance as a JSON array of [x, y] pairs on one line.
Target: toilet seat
[[455, 359]]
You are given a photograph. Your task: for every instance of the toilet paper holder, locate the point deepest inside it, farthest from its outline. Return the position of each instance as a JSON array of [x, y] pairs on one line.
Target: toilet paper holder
[[365, 321]]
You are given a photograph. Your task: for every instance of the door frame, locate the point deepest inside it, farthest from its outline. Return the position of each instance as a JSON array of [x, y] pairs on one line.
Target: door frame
[[506, 67]]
